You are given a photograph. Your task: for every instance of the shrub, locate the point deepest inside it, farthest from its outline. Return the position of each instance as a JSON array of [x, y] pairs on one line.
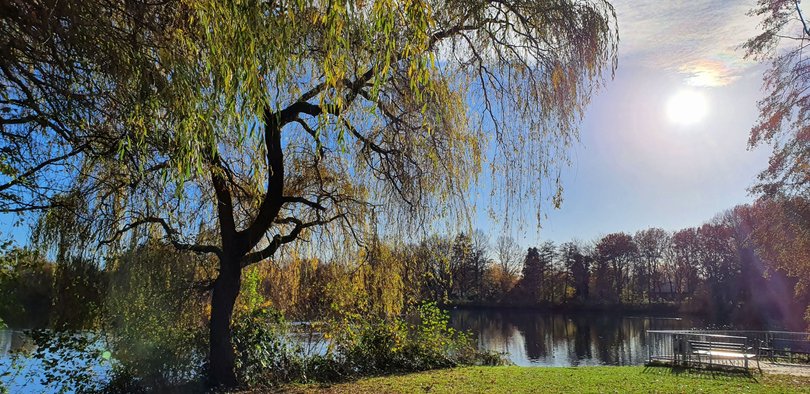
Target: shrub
[[375, 346], [153, 319], [268, 351], [262, 352], [26, 292]]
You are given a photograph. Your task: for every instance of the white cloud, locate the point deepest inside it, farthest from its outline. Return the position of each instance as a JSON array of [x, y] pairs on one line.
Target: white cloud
[[698, 39]]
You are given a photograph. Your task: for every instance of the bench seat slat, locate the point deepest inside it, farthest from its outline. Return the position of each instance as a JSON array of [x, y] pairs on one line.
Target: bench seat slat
[[717, 344], [739, 349], [721, 350], [722, 354]]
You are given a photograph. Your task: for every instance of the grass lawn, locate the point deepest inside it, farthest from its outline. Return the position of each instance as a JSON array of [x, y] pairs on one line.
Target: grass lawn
[[512, 380]]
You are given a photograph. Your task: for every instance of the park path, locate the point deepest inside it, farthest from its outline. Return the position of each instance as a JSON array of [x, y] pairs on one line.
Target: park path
[[781, 368]]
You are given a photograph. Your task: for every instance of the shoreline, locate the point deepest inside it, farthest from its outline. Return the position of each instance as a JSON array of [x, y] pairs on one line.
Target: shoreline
[[655, 309]]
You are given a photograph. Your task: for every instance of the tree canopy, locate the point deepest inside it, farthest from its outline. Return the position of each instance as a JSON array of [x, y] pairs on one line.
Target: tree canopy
[[784, 112], [784, 123], [235, 127]]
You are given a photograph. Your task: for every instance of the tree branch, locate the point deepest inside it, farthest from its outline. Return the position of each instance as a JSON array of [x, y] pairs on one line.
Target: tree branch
[[171, 235], [273, 199], [801, 18], [42, 165], [227, 223], [279, 240], [302, 200]]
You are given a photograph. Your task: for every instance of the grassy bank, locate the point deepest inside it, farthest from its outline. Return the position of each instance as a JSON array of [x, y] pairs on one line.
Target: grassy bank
[[513, 380]]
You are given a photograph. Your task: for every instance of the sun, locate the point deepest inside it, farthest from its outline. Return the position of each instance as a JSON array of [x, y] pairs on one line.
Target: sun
[[687, 107]]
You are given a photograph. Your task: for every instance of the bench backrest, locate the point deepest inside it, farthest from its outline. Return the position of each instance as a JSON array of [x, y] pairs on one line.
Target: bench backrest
[[794, 345], [728, 346]]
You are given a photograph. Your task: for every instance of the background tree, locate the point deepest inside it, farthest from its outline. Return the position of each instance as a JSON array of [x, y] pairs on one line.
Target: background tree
[[548, 280], [532, 275], [26, 291], [79, 288], [685, 255], [719, 264], [461, 266], [479, 262], [618, 251], [508, 255], [578, 265], [651, 244], [233, 130], [781, 238], [435, 253], [784, 112]]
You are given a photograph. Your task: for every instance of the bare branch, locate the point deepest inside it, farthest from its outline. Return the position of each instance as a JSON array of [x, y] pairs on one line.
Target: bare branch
[[171, 234], [278, 240], [302, 200]]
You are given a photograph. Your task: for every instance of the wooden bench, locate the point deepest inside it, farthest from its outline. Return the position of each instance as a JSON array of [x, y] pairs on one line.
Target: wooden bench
[[783, 347], [719, 351], [799, 346]]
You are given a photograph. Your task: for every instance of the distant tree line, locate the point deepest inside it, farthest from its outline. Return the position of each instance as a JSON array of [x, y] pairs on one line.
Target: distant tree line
[[749, 263]]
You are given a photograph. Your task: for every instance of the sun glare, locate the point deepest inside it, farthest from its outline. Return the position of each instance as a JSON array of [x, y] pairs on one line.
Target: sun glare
[[687, 107]]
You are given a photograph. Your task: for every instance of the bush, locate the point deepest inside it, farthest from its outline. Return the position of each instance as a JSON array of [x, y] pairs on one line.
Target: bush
[[268, 352], [79, 288], [157, 360], [379, 346], [26, 292], [153, 319], [262, 352]]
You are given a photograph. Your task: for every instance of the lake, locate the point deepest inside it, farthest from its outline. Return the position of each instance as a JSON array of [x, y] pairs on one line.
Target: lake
[[533, 338], [48, 373], [530, 338]]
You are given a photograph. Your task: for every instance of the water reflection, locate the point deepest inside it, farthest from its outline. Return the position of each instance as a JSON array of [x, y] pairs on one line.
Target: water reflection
[[5, 342], [65, 363], [551, 339], [10, 341]]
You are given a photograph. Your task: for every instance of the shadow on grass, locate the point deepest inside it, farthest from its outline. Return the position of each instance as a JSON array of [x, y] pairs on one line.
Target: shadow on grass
[[701, 372]]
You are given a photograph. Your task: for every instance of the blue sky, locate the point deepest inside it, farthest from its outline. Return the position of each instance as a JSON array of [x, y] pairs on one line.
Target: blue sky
[[635, 167]]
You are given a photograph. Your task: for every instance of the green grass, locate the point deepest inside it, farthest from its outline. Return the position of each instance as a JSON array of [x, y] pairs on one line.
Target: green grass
[[513, 380]]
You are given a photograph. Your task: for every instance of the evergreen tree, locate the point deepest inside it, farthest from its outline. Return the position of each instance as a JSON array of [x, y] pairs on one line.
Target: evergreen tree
[[532, 274]]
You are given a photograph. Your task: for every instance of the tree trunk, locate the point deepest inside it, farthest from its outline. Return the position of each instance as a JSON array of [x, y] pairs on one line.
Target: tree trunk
[[649, 282], [223, 298]]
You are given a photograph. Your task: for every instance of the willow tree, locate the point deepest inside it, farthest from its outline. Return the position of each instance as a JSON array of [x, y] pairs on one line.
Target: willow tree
[[241, 126]]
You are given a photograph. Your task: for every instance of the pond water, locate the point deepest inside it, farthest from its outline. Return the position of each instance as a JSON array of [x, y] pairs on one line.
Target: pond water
[[527, 338], [532, 338], [50, 369]]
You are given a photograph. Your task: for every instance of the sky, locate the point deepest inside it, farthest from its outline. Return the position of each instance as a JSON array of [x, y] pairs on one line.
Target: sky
[[644, 162], [638, 166]]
